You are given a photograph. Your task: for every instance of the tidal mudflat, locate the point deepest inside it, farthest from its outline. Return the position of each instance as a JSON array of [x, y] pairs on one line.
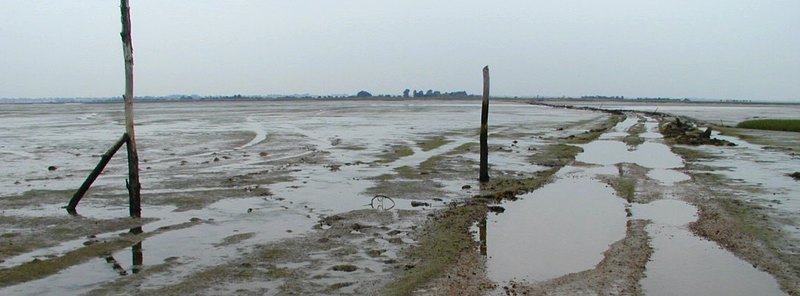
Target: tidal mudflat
[[277, 197]]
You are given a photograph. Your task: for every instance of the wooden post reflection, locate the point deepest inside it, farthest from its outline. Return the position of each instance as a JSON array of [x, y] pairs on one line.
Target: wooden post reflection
[[482, 234]]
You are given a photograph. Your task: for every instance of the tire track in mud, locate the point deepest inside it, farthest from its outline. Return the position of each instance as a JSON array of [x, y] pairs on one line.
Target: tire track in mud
[[653, 228]]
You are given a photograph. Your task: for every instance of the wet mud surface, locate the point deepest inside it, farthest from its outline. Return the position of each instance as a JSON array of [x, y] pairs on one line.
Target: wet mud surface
[[276, 198]]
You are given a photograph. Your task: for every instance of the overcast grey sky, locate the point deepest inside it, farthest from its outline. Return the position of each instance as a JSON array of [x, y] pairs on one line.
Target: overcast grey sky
[[660, 48]]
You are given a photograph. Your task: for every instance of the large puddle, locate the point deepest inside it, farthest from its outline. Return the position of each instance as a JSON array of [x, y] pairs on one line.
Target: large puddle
[[561, 228]]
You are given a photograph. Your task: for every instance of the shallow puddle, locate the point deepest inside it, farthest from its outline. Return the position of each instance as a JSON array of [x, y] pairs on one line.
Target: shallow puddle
[[683, 264], [648, 154]]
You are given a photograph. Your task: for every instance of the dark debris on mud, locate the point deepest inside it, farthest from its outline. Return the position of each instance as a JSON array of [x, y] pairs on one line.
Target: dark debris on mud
[[680, 132]]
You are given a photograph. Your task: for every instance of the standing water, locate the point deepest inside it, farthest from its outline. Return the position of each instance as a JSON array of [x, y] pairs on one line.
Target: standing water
[[565, 227]]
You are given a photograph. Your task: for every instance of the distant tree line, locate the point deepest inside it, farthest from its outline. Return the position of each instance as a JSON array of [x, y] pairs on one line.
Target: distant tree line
[[407, 93], [434, 93], [603, 97]]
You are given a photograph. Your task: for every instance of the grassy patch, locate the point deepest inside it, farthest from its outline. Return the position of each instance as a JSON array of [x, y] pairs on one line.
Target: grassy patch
[[441, 243], [430, 164], [394, 153], [625, 187], [598, 130], [632, 140], [509, 188], [431, 143], [748, 218], [690, 154], [555, 155], [466, 148], [786, 125]]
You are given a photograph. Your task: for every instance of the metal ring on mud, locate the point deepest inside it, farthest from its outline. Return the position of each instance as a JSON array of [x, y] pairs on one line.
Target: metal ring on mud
[[381, 202]]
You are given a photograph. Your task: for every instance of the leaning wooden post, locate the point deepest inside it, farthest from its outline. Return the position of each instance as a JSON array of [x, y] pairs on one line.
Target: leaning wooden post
[[76, 198], [484, 173], [134, 188]]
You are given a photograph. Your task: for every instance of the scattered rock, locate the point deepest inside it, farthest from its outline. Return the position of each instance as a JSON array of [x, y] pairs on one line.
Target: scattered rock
[[420, 204], [263, 154], [394, 232], [330, 220], [345, 268], [52, 168], [706, 134], [497, 209], [688, 134], [395, 240], [795, 175], [359, 227], [216, 159], [375, 252], [465, 187], [338, 286]]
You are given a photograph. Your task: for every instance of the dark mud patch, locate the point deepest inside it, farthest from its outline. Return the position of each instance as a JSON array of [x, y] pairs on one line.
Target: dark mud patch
[[619, 273]]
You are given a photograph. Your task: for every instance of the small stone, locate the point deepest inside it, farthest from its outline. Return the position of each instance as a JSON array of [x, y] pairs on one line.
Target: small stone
[[375, 253], [52, 168], [345, 268], [420, 204], [465, 187], [497, 209]]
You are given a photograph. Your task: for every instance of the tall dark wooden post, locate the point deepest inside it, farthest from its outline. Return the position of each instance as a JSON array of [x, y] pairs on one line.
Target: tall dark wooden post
[[484, 170], [134, 187]]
